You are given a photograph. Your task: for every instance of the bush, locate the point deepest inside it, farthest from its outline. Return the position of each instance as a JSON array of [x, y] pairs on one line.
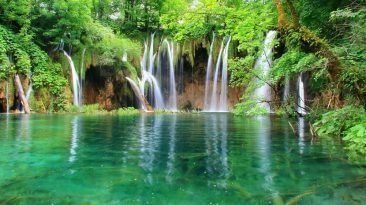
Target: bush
[[349, 124], [249, 107], [127, 111]]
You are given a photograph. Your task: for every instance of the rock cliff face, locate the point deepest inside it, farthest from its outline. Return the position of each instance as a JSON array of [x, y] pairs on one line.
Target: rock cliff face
[[107, 87]]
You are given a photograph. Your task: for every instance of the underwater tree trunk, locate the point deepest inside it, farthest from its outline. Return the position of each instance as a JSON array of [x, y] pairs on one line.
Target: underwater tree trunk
[[21, 95], [281, 14]]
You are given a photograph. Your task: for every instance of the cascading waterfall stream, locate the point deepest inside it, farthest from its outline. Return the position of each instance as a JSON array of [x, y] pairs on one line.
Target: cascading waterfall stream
[[155, 77], [301, 96], [223, 95], [138, 93], [213, 101], [75, 80], [263, 93], [172, 105], [217, 103], [208, 73]]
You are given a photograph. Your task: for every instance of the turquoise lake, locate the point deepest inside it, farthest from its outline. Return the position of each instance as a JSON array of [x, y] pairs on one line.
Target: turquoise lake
[[171, 159]]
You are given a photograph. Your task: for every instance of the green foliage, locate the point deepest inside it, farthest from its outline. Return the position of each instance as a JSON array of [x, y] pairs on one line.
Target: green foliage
[[17, 14], [27, 57], [356, 141], [245, 22], [131, 70], [92, 109], [111, 46], [127, 111], [241, 70], [73, 17], [295, 62], [335, 123], [315, 14], [249, 107], [87, 109], [248, 23], [194, 22], [348, 123], [350, 46]]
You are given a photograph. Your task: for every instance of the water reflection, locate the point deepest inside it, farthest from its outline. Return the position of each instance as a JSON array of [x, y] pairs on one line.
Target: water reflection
[[216, 146], [23, 133], [195, 159], [171, 152], [265, 154], [74, 138], [301, 131], [149, 144]]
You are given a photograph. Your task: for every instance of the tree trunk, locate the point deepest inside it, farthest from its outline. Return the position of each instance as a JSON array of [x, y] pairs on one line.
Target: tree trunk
[[281, 14], [294, 14], [22, 97]]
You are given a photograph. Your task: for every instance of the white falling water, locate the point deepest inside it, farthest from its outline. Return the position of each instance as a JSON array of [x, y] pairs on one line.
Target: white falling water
[[213, 100], [75, 80], [172, 101], [154, 85], [151, 55], [208, 74], [217, 103], [30, 87], [224, 84], [147, 76], [301, 96], [136, 90], [156, 78], [263, 93]]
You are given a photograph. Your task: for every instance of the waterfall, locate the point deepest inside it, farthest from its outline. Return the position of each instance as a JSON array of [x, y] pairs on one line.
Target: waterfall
[[138, 93], [223, 94], [75, 81], [154, 85], [301, 96], [172, 101], [151, 55], [208, 73], [30, 87], [151, 66], [160, 80], [263, 93], [286, 90], [217, 103], [213, 100]]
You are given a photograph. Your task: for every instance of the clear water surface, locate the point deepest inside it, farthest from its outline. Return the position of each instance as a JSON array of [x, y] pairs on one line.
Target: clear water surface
[[171, 159]]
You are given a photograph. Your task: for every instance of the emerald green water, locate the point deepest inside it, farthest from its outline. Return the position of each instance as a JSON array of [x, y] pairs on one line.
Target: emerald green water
[[170, 159]]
